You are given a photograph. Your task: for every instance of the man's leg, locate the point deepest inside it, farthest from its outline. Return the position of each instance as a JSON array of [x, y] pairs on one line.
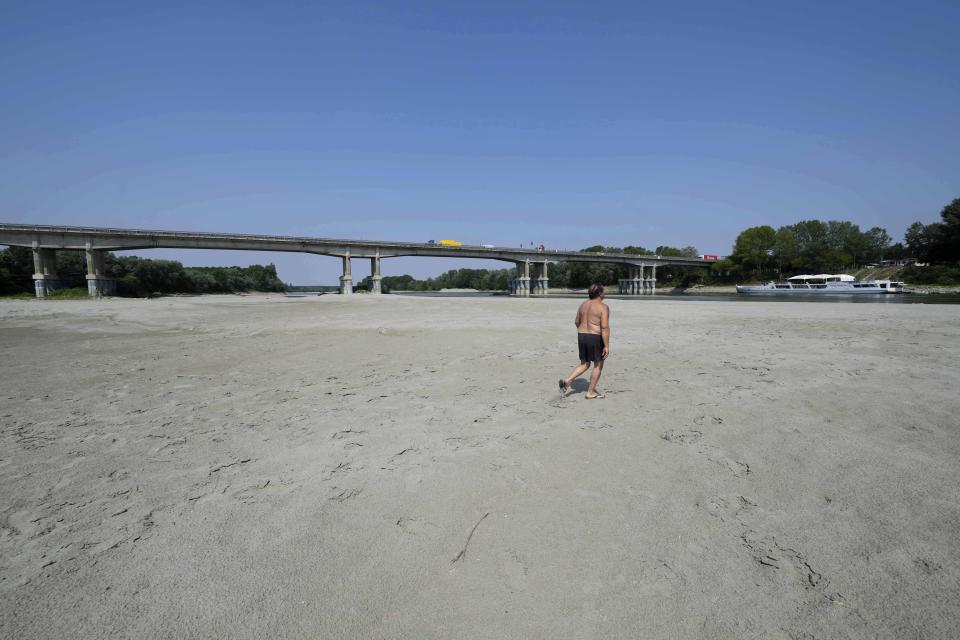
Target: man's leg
[[594, 379], [578, 371]]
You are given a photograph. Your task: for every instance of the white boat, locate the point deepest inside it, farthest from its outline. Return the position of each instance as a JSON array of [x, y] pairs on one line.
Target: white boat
[[825, 283]]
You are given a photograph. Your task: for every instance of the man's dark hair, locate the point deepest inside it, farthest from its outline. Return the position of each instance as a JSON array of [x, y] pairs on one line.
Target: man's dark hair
[[595, 290]]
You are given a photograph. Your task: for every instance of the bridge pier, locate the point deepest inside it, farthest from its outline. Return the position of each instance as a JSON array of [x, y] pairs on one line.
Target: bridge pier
[[639, 284], [625, 283], [346, 280], [520, 286], [45, 280], [633, 285], [98, 284], [539, 282], [376, 279]]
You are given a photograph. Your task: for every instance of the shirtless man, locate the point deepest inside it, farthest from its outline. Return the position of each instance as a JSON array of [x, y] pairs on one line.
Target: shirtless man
[[593, 337]]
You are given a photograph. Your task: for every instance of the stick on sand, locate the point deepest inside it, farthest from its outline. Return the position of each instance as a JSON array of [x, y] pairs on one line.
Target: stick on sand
[[463, 552]]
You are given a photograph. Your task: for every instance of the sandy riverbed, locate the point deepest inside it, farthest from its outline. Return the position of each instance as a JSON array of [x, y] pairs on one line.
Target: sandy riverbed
[[252, 467]]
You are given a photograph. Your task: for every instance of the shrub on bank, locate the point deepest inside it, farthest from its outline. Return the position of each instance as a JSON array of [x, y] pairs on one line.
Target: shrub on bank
[[71, 293], [935, 274]]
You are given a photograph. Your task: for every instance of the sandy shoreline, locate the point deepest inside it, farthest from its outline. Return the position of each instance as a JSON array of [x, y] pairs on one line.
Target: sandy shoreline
[[385, 467], [909, 289]]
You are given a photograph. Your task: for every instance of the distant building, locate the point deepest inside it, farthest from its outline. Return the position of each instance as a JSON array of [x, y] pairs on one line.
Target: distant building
[[902, 262]]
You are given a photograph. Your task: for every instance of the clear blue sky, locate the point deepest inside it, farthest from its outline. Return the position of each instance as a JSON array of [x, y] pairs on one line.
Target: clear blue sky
[[567, 124]]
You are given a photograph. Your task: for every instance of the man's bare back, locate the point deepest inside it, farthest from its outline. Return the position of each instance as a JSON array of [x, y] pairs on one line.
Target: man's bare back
[[591, 316]]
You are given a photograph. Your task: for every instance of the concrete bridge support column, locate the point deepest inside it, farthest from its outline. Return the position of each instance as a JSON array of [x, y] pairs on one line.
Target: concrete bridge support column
[[98, 284], [539, 279], [628, 284], [535, 279], [45, 280], [636, 284], [522, 287], [375, 278], [346, 280], [653, 279]]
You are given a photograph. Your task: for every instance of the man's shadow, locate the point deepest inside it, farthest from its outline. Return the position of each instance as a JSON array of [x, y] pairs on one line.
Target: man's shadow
[[579, 385]]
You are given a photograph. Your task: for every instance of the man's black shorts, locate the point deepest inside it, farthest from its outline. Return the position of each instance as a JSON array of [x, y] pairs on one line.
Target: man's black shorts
[[591, 347]]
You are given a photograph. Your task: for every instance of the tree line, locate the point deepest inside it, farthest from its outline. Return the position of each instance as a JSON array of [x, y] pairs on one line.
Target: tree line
[[137, 277], [815, 246]]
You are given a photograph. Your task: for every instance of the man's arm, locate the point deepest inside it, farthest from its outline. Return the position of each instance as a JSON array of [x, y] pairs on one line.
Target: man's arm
[[605, 330], [579, 317]]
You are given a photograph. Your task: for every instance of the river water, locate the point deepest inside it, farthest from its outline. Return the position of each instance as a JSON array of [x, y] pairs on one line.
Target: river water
[[895, 298]]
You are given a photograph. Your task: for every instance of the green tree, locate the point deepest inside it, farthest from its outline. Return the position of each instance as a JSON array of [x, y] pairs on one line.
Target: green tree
[[725, 270], [397, 283], [877, 242], [948, 248], [812, 243], [685, 252], [939, 241], [785, 249], [16, 270], [754, 246], [847, 243], [160, 276], [919, 240], [72, 269]]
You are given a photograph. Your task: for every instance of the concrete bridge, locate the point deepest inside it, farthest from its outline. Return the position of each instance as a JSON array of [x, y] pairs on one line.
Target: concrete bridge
[[532, 265]]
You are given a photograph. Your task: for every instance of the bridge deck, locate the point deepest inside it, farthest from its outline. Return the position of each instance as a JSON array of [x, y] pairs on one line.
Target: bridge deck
[[57, 237]]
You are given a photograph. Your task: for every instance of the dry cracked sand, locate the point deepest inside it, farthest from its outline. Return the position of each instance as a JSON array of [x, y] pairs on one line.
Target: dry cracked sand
[[398, 467]]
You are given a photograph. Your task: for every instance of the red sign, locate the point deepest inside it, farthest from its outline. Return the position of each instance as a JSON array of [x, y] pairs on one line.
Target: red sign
[[707, 256]]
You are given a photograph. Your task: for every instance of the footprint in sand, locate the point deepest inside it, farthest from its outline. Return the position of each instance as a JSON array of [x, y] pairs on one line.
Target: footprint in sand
[[342, 494], [590, 425], [688, 436], [513, 570], [171, 444], [351, 434], [253, 492], [738, 468], [415, 526], [779, 561], [728, 507]]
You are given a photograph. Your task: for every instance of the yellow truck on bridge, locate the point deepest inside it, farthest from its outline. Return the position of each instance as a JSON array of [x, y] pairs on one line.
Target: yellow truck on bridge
[[451, 243]]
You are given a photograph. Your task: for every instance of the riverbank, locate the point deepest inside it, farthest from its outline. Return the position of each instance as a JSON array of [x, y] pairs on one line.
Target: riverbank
[[391, 466], [931, 290], [915, 289]]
